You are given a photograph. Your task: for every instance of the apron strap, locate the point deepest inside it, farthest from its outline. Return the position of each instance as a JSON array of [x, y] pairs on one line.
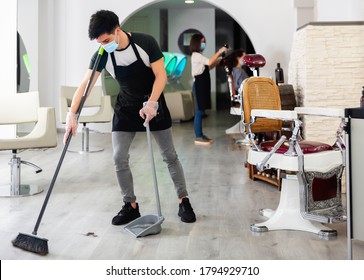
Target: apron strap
[[132, 45]]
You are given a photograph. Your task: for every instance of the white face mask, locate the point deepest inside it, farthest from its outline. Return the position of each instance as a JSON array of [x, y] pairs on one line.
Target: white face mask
[[203, 46], [111, 46]]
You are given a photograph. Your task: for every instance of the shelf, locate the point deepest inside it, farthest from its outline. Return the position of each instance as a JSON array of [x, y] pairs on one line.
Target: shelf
[[253, 175], [269, 180]]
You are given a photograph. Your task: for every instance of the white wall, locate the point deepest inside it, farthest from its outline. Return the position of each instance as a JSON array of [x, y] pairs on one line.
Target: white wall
[[75, 20], [339, 10], [144, 21], [305, 11], [8, 25]]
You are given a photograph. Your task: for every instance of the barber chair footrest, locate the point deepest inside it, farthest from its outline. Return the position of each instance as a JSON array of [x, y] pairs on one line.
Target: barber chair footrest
[[329, 216], [327, 234]]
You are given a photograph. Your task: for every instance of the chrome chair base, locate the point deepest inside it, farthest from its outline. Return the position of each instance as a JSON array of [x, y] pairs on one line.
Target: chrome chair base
[[288, 215], [22, 191], [85, 148]]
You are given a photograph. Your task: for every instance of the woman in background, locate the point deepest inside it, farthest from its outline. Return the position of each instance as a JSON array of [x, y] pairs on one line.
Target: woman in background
[[200, 69]]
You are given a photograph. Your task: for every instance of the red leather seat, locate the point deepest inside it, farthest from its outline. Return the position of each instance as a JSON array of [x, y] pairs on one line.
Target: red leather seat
[[307, 147]]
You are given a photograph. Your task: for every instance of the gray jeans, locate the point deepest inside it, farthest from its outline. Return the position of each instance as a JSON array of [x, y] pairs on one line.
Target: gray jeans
[[121, 142]]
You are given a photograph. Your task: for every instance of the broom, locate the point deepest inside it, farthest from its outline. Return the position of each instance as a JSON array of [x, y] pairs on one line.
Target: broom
[[30, 242]]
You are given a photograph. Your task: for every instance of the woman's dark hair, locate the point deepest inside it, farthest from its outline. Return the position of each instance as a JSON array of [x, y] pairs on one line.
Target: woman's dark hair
[[195, 43], [231, 60], [101, 22]]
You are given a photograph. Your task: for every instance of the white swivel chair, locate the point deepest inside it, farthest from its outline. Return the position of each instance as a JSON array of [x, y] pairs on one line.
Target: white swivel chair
[[180, 104], [311, 175], [95, 101], [20, 109]]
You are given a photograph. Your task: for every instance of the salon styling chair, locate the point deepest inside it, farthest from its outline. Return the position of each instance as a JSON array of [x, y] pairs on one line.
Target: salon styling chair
[[311, 174], [23, 108], [97, 109]]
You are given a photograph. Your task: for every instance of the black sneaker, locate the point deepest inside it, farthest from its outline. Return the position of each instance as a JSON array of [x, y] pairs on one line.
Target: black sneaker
[[207, 139], [126, 215], [186, 211]]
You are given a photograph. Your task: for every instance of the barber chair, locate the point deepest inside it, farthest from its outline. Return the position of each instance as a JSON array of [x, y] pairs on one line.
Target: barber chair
[[259, 93], [254, 62], [263, 93], [256, 93], [311, 175], [235, 109]]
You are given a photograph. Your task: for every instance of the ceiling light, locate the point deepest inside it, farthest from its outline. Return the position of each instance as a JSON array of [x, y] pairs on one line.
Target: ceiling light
[[189, 1]]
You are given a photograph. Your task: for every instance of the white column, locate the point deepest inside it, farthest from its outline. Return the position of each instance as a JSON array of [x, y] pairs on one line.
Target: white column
[[305, 11], [8, 29], [338, 10]]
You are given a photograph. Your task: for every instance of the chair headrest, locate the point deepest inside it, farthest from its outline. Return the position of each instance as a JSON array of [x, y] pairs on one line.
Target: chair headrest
[[254, 60]]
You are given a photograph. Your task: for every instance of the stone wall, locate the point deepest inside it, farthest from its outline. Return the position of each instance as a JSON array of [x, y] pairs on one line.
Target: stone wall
[[326, 69]]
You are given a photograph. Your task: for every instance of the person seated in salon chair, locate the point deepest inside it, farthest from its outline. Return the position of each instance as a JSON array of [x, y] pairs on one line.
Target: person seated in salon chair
[[236, 66]]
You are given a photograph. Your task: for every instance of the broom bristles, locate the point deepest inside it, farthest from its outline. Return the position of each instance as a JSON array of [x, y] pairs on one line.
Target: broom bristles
[[31, 243]]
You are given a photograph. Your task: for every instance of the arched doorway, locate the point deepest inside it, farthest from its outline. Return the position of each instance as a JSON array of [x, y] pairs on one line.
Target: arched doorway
[[228, 31], [157, 19]]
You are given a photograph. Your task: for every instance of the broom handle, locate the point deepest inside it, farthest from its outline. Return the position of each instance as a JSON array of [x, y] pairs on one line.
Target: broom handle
[[154, 171], [84, 96]]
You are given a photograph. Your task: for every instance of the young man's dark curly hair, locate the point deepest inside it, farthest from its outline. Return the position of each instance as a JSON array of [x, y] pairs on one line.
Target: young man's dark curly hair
[[101, 22]]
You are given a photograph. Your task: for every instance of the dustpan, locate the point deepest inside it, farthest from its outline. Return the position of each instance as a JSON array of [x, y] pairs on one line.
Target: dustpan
[[145, 225], [148, 224]]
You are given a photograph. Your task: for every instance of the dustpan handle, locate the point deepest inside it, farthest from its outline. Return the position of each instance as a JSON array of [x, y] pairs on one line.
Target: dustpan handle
[[153, 171]]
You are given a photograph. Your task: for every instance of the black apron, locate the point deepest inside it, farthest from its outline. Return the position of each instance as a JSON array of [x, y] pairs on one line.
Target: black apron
[[136, 83], [203, 89]]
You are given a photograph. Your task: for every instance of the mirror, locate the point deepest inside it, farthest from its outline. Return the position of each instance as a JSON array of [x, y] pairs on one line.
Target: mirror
[[184, 40], [23, 66]]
